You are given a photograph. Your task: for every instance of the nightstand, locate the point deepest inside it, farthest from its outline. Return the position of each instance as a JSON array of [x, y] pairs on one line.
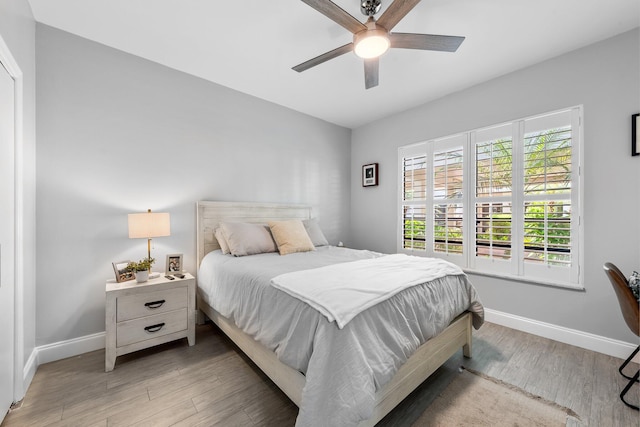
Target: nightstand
[[141, 315]]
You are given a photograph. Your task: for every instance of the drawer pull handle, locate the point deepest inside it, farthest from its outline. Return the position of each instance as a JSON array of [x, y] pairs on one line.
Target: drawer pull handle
[[155, 304], [154, 328]]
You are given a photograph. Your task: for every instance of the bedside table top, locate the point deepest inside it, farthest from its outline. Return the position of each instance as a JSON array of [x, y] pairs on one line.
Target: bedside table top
[[130, 284]]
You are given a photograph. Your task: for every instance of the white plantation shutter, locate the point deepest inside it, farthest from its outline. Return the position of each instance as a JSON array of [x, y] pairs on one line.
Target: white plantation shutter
[[521, 182], [547, 226], [448, 205], [493, 238], [547, 160], [493, 198], [414, 218], [413, 167], [549, 239]]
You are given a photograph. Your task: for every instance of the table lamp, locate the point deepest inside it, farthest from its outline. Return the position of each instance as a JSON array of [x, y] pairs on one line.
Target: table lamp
[[149, 225]]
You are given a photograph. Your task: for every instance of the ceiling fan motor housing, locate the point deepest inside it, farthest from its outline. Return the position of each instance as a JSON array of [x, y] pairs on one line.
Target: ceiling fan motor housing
[[372, 42], [370, 7]]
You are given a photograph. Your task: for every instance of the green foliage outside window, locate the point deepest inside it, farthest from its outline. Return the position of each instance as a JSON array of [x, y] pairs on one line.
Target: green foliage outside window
[[500, 228], [547, 170]]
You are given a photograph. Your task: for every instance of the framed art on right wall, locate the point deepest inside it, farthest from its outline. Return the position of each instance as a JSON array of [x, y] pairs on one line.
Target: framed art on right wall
[[370, 175], [635, 135]]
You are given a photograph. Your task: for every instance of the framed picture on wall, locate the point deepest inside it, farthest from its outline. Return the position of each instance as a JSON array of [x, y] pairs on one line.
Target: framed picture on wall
[[370, 175], [173, 264], [122, 273], [635, 135]]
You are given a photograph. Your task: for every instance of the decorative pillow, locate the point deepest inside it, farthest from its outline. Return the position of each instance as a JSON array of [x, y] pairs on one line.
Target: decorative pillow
[[291, 236], [222, 241], [314, 232], [634, 284], [248, 239]]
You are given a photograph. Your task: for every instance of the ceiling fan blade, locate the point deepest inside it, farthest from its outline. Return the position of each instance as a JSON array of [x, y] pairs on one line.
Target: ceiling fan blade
[[324, 57], [425, 41], [395, 12], [336, 14], [371, 68]]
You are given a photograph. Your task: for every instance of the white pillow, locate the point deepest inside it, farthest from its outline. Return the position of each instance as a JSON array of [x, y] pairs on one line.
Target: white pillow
[[314, 232], [222, 241], [248, 239], [291, 236]]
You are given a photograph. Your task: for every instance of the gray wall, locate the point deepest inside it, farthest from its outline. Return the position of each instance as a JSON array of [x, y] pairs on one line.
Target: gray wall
[[119, 134], [17, 28], [604, 78]]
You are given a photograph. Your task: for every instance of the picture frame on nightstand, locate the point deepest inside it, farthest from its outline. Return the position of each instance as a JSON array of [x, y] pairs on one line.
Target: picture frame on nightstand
[[121, 271], [173, 264]]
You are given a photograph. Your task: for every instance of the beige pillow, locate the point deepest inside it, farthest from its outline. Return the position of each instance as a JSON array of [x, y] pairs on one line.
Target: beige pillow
[[222, 241], [291, 236], [248, 239]]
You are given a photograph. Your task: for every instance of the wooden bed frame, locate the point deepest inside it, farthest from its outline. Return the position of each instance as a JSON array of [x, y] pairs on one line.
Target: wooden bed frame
[[429, 357]]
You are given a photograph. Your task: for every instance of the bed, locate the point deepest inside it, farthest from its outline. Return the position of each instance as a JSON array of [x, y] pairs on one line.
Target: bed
[[269, 343]]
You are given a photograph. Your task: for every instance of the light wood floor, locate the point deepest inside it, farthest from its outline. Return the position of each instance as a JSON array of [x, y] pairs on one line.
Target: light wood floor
[[213, 384]]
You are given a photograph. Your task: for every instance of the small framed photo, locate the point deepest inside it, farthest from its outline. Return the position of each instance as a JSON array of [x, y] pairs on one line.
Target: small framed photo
[[635, 135], [122, 274], [173, 264], [370, 175]]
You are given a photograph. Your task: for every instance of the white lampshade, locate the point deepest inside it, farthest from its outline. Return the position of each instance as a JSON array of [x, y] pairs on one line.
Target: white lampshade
[[149, 224]]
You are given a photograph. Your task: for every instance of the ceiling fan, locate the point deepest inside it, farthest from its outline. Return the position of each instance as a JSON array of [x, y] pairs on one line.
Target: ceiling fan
[[373, 38]]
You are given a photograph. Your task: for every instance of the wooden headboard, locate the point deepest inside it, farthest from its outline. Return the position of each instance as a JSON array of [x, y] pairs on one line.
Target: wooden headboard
[[210, 214]]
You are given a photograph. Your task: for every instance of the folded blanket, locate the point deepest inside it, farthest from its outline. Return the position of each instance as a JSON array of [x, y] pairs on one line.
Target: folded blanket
[[342, 291]]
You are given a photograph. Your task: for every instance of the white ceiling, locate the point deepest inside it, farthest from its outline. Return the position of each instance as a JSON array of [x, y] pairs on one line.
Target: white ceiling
[[251, 45]]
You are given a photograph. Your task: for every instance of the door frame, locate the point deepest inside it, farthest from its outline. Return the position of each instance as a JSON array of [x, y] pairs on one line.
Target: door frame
[[11, 65]]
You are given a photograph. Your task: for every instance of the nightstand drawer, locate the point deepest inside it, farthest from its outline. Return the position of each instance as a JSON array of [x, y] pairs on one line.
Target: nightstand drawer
[[151, 303], [149, 327]]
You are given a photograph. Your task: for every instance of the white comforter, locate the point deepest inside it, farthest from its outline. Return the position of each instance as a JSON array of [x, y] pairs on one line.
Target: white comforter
[[342, 291], [343, 367]]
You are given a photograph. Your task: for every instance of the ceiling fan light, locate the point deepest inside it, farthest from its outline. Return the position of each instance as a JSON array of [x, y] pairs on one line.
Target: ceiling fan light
[[371, 43]]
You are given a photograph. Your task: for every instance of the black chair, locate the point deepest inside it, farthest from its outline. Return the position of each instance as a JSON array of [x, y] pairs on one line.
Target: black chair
[[631, 313]]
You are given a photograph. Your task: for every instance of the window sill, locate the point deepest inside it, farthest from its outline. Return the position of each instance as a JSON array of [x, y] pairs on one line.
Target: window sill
[[529, 280]]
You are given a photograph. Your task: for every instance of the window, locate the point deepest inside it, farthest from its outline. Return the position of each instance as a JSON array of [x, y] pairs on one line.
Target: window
[[502, 200]]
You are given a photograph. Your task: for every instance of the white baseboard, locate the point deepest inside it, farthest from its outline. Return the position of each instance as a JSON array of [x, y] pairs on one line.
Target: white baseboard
[[73, 347], [30, 369], [574, 337], [57, 351]]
